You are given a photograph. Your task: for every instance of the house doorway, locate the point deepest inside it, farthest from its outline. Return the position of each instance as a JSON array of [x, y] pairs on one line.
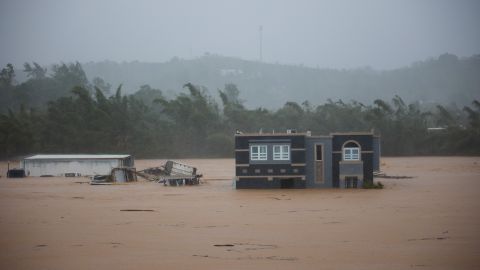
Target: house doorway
[[351, 182], [319, 167]]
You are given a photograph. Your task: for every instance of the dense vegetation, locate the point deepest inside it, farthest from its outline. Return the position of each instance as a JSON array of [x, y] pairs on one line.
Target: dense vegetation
[[82, 117], [446, 79]]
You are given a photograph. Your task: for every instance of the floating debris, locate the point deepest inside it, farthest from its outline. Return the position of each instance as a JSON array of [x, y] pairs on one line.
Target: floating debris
[[137, 210], [172, 173], [384, 175]]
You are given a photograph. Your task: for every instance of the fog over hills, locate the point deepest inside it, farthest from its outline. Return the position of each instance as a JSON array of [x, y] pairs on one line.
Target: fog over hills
[[446, 79], [383, 34], [322, 47]]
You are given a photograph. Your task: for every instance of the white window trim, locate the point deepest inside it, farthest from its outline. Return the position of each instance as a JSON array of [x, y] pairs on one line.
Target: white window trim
[[258, 155], [350, 155], [281, 155]]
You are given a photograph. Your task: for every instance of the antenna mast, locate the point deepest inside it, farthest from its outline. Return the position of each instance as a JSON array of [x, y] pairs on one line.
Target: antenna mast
[[260, 31]]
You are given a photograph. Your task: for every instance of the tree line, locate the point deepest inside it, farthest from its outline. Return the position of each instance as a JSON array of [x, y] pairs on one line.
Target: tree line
[[65, 113]]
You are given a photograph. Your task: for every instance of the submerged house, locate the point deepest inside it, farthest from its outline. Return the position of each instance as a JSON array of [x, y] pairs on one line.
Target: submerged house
[[300, 160], [74, 165]]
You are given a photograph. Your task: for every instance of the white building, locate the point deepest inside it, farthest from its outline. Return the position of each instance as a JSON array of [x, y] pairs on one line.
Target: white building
[[59, 165]]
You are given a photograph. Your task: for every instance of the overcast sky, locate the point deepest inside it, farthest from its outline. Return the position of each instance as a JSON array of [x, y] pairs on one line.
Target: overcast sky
[[335, 34]]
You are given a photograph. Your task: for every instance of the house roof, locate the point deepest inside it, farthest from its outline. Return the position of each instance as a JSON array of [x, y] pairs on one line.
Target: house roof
[[76, 157], [305, 134], [352, 133], [270, 134]]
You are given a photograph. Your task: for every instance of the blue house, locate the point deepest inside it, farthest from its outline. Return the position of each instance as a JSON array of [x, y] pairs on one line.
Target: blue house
[[301, 160]]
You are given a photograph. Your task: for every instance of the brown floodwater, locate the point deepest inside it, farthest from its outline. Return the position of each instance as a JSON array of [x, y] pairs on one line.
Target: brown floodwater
[[431, 221]]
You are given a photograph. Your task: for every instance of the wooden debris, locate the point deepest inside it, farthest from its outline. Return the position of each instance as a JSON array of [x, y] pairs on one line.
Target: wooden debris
[[137, 210]]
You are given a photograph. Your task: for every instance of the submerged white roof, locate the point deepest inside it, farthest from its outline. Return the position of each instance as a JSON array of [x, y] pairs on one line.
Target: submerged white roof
[[77, 156]]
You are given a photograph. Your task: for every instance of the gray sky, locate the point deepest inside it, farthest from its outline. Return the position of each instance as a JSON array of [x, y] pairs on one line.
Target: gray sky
[[336, 34]]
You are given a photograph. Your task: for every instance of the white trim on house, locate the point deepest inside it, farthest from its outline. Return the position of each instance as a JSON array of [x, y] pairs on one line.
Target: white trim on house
[[351, 153], [258, 152], [76, 157], [281, 152]]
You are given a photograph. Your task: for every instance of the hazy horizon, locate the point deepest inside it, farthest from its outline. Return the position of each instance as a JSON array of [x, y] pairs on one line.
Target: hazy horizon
[[339, 34]]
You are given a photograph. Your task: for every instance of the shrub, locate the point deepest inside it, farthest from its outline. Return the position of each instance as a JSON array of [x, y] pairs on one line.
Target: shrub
[[373, 185]]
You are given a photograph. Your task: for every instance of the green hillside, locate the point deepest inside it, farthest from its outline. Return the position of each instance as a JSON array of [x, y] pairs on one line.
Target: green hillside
[[446, 79]]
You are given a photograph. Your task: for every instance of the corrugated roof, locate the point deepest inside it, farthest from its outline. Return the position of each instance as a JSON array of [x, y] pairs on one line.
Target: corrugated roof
[[77, 156]]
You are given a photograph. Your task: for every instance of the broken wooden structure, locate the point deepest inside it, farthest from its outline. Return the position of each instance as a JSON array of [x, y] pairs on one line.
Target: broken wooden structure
[[172, 173]]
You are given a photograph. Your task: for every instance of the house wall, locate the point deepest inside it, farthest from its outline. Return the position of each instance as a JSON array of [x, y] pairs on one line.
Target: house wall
[[301, 166], [327, 161], [376, 153], [269, 173], [351, 168], [39, 167], [366, 145]]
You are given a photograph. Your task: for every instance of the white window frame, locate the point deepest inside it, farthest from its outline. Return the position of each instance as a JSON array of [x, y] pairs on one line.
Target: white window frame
[[281, 152], [258, 154], [351, 153]]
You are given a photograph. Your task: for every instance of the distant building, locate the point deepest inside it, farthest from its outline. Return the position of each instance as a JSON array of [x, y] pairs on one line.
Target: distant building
[[300, 160], [60, 165], [231, 72]]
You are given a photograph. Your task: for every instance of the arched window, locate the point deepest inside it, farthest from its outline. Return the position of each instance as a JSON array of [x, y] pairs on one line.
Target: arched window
[[351, 151]]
